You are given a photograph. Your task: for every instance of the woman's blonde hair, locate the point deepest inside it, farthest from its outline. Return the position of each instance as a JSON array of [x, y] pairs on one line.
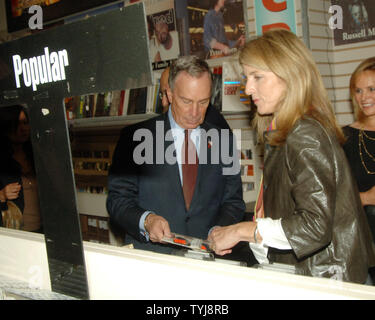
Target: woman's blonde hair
[[281, 52], [366, 65]]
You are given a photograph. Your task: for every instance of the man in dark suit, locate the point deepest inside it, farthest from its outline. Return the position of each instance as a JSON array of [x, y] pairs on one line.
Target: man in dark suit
[[148, 192]]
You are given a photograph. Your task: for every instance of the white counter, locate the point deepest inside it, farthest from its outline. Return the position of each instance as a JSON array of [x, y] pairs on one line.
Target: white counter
[[123, 273]]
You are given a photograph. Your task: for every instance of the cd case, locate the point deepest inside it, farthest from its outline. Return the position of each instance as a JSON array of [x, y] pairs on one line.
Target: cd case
[[192, 243]]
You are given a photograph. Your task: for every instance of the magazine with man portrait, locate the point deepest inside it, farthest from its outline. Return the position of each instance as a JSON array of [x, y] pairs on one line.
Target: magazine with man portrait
[[216, 28]]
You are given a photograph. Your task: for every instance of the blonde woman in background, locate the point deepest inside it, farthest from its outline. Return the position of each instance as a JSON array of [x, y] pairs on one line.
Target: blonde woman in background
[[309, 214], [360, 146]]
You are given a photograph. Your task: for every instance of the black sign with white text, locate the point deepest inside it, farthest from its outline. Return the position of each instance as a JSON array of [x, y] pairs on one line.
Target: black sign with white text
[[105, 52]]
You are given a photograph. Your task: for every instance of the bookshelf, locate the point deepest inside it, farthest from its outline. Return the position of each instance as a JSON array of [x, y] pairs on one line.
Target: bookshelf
[[95, 229], [91, 157], [251, 165], [108, 123]]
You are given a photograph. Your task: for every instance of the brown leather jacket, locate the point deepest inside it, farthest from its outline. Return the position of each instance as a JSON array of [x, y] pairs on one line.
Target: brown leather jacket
[[309, 185]]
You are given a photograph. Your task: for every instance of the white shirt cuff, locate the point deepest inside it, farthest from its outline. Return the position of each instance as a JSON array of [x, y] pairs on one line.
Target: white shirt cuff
[[142, 225], [273, 234]]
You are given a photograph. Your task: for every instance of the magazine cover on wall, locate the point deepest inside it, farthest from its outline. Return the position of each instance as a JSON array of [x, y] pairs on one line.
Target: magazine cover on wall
[[216, 28], [358, 21], [162, 31]]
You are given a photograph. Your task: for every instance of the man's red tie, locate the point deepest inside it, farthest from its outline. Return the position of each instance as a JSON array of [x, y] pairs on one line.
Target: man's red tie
[[189, 168]]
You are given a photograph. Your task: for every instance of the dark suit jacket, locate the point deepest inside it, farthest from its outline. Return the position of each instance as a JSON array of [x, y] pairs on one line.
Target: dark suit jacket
[[135, 188], [213, 116]]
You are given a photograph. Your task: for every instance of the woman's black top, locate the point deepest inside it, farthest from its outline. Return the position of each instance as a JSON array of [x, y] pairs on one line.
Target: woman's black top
[[365, 181]]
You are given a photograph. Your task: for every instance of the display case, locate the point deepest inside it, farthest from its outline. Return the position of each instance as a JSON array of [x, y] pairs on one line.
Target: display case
[[125, 273]]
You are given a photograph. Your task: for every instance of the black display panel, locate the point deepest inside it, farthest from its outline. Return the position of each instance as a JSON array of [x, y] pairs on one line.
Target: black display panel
[[105, 52]]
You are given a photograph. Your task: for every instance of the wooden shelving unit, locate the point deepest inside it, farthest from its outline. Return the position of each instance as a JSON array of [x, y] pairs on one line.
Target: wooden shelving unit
[[91, 156]]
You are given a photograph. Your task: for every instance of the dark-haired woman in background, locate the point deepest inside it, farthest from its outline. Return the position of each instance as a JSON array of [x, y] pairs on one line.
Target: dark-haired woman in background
[[17, 173]]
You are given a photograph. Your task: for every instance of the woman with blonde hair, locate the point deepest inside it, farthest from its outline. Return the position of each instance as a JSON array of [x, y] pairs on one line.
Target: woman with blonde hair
[[308, 214], [360, 144]]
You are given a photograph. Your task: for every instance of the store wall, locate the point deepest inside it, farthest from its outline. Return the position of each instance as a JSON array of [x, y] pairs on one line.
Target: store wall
[[321, 43]]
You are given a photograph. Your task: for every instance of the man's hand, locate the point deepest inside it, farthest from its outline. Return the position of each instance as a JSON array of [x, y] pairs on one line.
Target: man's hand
[[157, 227]]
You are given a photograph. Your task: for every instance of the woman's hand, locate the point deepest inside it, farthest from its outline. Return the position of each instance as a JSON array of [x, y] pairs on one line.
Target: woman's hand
[[10, 191], [223, 239]]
